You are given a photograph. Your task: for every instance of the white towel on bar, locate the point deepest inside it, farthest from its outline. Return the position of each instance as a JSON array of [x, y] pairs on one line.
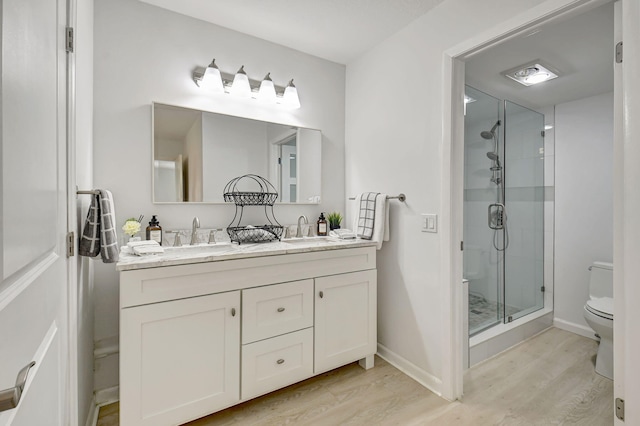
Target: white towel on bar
[[380, 218]]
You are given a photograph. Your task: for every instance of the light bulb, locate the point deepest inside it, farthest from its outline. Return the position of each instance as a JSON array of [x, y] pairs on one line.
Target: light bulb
[[241, 86], [290, 97], [267, 92], [211, 79], [537, 78]]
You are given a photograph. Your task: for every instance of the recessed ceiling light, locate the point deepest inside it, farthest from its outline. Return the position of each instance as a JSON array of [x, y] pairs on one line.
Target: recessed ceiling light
[[532, 73]]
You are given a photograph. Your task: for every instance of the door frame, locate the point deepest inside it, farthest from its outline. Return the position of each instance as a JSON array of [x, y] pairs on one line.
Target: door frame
[[453, 162], [72, 404]]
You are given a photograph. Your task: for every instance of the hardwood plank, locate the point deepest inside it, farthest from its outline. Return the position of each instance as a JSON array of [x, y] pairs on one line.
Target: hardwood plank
[[549, 379]]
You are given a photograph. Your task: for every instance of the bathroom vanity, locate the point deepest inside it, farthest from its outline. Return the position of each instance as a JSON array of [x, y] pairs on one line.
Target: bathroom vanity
[[206, 328]]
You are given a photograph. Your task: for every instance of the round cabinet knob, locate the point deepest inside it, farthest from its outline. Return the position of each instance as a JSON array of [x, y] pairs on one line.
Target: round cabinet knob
[[280, 309], [321, 294], [280, 361]]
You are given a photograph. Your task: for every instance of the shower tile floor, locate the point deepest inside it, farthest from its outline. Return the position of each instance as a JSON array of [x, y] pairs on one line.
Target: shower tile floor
[[484, 313]]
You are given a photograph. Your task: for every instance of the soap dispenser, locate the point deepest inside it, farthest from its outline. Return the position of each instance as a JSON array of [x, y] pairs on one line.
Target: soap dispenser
[[154, 230], [322, 226]]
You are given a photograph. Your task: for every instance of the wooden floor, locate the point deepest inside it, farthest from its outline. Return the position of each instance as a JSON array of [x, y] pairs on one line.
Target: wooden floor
[[547, 380]]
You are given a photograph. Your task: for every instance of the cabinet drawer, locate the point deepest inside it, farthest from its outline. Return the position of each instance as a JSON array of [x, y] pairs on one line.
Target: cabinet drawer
[[276, 309], [277, 362]]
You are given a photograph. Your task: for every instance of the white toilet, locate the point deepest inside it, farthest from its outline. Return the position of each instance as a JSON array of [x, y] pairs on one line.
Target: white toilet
[[599, 314]]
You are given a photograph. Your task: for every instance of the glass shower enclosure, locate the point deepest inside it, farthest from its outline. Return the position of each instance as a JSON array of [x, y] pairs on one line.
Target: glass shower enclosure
[[503, 210]]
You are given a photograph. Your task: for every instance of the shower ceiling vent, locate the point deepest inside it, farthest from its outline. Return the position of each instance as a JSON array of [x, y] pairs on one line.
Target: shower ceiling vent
[[532, 73]]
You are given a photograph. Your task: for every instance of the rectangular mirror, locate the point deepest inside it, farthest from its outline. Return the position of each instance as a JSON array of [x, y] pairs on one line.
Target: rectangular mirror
[[195, 154]]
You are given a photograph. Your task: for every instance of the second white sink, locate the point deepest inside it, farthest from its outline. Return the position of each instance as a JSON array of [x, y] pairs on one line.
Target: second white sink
[[308, 241]]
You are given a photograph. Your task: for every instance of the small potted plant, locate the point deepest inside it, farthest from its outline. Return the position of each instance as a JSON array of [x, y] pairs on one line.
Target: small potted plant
[[334, 218]]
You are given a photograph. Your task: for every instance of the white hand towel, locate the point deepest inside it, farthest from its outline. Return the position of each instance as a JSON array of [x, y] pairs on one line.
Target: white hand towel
[[381, 218], [381, 227], [147, 250], [142, 248], [142, 243]]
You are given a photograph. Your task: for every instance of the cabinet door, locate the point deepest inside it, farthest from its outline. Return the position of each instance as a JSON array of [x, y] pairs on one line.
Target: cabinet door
[[345, 319], [179, 360]]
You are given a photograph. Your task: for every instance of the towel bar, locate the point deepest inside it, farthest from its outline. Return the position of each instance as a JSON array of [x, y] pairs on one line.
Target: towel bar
[[401, 197], [92, 192]]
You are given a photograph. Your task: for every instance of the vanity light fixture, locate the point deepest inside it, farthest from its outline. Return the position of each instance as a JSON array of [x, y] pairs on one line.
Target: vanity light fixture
[[267, 91], [211, 79], [290, 96], [240, 85], [532, 73]]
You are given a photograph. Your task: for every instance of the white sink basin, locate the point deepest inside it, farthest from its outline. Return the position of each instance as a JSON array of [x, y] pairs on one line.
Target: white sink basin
[[201, 248], [308, 241]]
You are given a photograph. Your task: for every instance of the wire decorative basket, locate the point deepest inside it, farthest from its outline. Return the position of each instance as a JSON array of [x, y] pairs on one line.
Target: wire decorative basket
[[255, 234], [260, 193], [266, 194], [250, 198]]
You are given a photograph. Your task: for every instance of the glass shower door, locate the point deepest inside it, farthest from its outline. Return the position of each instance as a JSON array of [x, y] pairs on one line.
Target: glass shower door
[[524, 195], [482, 263]]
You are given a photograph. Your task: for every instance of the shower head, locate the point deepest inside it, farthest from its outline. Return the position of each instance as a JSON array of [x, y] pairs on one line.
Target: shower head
[[496, 158], [490, 134]]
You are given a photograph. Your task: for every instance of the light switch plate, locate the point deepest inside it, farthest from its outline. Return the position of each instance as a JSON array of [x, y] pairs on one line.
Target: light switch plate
[[429, 222]]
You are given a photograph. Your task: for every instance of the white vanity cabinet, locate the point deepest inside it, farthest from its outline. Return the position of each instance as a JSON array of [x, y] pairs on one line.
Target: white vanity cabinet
[[198, 338]]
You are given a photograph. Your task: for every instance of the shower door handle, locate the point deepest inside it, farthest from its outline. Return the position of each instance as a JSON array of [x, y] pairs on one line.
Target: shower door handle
[[495, 216]]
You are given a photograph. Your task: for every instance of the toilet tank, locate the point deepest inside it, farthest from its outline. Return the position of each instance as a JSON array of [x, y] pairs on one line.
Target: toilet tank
[[601, 280]]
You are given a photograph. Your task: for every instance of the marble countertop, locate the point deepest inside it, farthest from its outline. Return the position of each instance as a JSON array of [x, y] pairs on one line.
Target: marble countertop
[[227, 251]]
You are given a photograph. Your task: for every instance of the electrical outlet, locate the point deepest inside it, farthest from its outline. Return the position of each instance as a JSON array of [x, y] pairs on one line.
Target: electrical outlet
[[429, 222]]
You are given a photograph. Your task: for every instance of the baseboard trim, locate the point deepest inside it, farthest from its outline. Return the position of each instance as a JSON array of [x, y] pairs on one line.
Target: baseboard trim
[[578, 329], [106, 347], [107, 396], [410, 369], [92, 418]]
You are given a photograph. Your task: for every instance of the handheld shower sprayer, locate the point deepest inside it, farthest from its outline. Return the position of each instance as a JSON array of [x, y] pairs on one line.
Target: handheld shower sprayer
[[490, 134], [494, 157]]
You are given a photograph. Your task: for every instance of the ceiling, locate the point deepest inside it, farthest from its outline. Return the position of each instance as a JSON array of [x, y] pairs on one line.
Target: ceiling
[[340, 30], [336, 30], [581, 48]]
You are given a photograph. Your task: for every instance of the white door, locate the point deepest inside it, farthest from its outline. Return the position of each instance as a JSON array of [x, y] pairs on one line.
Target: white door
[[626, 291], [33, 264]]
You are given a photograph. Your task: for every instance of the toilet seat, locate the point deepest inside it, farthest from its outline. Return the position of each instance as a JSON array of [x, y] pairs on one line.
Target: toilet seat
[[601, 306]]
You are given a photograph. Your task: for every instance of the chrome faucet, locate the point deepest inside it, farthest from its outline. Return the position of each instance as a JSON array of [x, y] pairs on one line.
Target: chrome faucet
[[299, 230], [194, 230], [177, 242]]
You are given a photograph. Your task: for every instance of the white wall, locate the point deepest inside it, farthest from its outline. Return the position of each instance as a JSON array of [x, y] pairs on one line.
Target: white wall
[[145, 54], [584, 202], [394, 140]]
